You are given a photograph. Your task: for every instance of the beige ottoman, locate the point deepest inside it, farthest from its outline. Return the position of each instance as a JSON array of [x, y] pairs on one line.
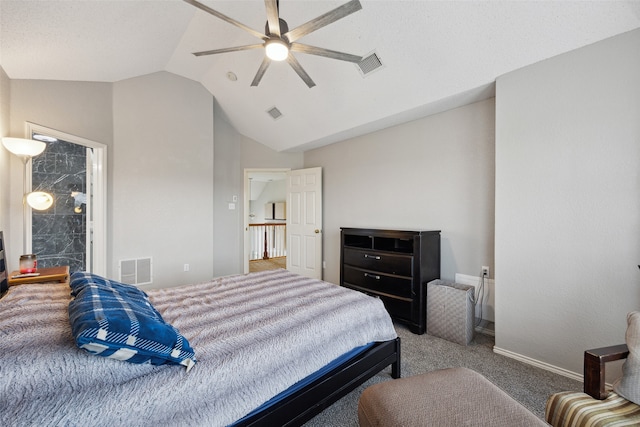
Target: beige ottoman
[[447, 397]]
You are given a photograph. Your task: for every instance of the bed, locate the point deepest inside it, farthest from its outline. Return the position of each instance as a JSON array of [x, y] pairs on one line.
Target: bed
[[4, 282], [272, 348]]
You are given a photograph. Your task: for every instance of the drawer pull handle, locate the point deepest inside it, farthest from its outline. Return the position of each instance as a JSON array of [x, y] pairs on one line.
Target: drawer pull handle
[[373, 276], [372, 256]]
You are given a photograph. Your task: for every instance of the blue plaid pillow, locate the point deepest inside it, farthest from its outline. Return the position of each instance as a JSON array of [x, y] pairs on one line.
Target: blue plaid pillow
[[115, 320], [81, 279]]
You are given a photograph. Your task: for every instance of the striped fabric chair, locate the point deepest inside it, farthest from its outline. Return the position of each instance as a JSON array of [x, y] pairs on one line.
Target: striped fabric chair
[[596, 407]]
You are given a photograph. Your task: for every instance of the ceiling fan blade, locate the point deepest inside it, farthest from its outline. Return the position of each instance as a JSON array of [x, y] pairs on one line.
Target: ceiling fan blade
[[263, 67], [272, 17], [225, 18], [228, 49], [300, 71], [313, 50], [323, 20]]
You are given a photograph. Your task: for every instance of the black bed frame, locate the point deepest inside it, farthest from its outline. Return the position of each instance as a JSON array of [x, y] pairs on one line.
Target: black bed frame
[[321, 393], [4, 274]]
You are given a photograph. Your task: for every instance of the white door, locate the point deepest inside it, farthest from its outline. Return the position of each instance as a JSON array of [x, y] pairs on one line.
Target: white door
[[304, 222]]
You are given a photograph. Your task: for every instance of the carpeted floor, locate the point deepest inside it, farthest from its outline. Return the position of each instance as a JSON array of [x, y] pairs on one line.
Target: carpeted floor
[[529, 385]]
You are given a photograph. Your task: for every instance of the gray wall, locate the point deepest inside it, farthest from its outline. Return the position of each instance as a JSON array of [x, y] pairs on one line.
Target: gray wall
[[227, 258], [78, 108], [236, 153], [436, 173], [163, 177], [156, 169], [5, 175], [168, 183], [568, 202]]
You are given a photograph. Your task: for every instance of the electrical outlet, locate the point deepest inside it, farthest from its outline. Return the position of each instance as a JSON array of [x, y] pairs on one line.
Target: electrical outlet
[[485, 271]]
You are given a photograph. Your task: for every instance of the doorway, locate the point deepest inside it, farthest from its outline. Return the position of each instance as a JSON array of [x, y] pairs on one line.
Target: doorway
[[265, 219], [73, 231]]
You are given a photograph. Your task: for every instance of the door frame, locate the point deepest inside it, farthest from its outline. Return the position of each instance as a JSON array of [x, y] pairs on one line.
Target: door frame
[[246, 239], [99, 174]]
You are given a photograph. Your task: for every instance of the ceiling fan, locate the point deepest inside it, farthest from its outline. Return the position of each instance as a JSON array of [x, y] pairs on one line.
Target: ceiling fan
[[279, 41]]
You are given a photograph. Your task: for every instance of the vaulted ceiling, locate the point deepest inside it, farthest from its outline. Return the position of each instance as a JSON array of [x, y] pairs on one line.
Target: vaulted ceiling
[[435, 55]]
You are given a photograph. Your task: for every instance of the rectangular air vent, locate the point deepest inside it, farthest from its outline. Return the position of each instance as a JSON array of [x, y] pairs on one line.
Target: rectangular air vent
[[369, 64], [274, 113], [136, 271]]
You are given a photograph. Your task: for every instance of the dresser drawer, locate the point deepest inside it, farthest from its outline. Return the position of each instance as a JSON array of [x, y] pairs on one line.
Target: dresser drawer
[[398, 308], [383, 262], [377, 283]]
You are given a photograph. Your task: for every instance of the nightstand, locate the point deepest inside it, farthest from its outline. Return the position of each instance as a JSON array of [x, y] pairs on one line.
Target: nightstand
[[47, 275]]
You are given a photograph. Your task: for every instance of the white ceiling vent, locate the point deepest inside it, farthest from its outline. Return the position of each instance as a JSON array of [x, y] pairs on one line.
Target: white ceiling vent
[[136, 271], [274, 113], [369, 64]]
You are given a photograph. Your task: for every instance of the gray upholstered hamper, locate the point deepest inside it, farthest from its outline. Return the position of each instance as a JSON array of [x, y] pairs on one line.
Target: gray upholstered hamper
[[450, 311]]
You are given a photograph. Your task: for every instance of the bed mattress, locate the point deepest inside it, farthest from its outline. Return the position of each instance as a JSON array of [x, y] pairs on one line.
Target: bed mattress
[[254, 336]]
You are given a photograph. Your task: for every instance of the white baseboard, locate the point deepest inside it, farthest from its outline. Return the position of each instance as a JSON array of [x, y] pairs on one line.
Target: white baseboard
[[539, 364]]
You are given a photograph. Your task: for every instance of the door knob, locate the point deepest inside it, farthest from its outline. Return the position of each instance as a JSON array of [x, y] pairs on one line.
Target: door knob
[[317, 231]]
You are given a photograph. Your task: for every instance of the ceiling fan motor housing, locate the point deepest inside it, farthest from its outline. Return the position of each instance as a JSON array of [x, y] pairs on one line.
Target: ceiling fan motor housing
[[284, 28]]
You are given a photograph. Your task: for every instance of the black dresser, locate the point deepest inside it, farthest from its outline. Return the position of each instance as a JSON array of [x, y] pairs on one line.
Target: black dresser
[[395, 265]]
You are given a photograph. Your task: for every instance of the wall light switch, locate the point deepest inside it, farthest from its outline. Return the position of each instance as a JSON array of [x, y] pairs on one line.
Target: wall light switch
[[232, 206], [235, 198]]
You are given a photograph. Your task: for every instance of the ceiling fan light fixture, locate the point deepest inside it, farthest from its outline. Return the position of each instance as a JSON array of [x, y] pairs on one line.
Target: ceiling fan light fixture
[[278, 40], [276, 49]]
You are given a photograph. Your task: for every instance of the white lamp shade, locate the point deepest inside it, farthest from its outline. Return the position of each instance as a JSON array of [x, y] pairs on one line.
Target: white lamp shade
[[24, 147], [39, 200], [276, 50]]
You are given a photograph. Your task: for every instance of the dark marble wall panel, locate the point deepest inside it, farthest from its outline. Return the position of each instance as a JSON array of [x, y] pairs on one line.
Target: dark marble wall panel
[[59, 233]]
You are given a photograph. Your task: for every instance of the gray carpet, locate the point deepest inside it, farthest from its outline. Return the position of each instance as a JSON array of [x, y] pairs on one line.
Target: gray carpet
[[529, 385]]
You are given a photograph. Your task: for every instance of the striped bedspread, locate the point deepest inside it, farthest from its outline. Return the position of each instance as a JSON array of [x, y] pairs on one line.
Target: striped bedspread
[[254, 336]]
